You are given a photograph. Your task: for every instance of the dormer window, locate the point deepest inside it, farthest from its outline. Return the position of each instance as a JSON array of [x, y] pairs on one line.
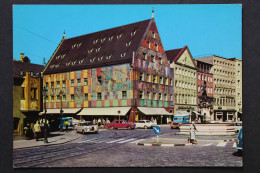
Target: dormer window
[[73, 63], [153, 34], [73, 46], [133, 33], [103, 39], [57, 65], [109, 56], [78, 45], [123, 54], [98, 49], [62, 56], [92, 60], [95, 41], [90, 51], [68, 63], [111, 38], [100, 58], [81, 61], [52, 66], [128, 43], [119, 36], [57, 57]]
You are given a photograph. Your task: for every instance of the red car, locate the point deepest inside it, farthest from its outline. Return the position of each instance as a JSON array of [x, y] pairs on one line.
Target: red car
[[120, 124]]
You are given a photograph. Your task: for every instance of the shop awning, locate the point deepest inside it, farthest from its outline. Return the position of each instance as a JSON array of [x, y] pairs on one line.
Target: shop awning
[[181, 113], [109, 111], [153, 111], [65, 111], [196, 112]]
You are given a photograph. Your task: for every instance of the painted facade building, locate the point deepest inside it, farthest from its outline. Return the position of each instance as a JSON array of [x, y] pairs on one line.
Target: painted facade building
[[185, 79], [26, 93], [119, 67], [224, 71], [238, 70]]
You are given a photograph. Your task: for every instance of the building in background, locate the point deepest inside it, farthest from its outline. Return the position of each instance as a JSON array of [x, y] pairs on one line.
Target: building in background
[[185, 80], [224, 72], [238, 71], [119, 72], [205, 77], [26, 93]]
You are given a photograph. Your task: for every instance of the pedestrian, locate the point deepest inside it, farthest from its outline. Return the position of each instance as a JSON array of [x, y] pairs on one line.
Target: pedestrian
[[107, 121], [99, 122], [155, 120], [94, 121], [192, 130], [37, 130], [167, 119], [152, 120], [66, 125]]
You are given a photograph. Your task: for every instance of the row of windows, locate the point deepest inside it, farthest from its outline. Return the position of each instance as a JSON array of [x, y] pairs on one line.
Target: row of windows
[[34, 93], [224, 91], [185, 85], [224, 73], [209, 89], [144, 57], [185, 99], [154, 79], [225, 102], [185, 73], [225, 64], [155, 96], [205, 77], [72, 83], [224, 82]]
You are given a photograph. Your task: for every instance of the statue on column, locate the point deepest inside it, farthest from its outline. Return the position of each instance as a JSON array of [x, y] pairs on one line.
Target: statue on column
[[204, 92]]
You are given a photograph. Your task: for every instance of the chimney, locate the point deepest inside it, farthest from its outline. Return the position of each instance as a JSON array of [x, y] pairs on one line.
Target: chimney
[[21, 56]]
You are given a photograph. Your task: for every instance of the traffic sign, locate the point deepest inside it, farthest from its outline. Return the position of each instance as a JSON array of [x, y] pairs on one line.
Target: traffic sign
[[157, 130]]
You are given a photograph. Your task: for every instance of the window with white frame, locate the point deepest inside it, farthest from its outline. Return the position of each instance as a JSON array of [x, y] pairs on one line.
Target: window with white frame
[[165, 97], [148, 95], [78, 82], [154, 79], [141, 95], [148, 45], [154, 96], [58, 84], [160, 96], [141, 77], [52, 98], [153, 33], [86, 97], [176, 83], [156, 47], [166, 81], [148, 78], [63, 83], [171, 82], [152, 58], [99, 96], [160, 60], [124, 94], [72, 82], [52, 84], [85, 81], [171, 97], [144, 56], [160, 80], [199, 76], [63, 98], [72, 97]]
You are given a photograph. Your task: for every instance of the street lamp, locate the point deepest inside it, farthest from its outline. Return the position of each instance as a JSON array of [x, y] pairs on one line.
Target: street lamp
[[61, 111], [44, 93], [119, 113]]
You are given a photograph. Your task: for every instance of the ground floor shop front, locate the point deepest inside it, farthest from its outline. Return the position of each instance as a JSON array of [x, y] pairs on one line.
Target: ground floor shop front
[[225, 115]]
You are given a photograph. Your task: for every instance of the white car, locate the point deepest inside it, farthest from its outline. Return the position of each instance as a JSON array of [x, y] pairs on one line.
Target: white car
[[86, 127], [145, 124]]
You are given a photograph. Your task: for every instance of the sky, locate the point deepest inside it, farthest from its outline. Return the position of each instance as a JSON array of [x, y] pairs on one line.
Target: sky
[[206, 29]]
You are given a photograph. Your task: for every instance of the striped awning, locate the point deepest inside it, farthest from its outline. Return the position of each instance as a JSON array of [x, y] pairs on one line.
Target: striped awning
[[109, 111], [153, 111]]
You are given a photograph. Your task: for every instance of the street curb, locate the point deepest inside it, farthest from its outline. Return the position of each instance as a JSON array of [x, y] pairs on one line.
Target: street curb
[[48, 144], [163, 145]]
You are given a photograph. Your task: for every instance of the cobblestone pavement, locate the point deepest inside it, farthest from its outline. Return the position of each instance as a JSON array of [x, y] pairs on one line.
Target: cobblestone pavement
[[117, 148]]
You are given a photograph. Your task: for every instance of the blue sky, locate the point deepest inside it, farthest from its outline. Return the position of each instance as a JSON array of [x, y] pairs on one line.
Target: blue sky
[[205, 29]]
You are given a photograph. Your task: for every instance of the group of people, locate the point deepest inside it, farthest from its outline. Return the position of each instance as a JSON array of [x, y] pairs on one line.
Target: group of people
[[100, 122], [34, 131]]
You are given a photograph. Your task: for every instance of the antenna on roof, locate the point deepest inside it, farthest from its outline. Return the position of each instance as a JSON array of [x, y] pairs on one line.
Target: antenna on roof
[[152, 14], [64, 34], [44, 63]]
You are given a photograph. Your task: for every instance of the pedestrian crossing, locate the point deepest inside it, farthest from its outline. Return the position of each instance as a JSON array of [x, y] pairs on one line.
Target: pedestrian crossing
[[110, 141], [220, 144]]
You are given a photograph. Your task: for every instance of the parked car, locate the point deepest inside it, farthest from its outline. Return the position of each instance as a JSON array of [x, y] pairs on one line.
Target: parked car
[[239, 141], [86, 127], [116, 124], [145, 124], [238, 126]]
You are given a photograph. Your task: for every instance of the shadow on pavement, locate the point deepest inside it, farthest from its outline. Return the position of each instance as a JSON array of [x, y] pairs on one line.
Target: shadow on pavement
[[239, 154]]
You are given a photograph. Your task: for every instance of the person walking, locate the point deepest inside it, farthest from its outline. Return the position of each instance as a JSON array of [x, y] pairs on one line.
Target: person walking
[[192, 130], [37, 130], [99, 122], [66, 125]]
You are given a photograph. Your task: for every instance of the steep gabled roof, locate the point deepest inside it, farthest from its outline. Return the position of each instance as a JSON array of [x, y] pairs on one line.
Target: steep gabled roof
[[174, 54], [19, 66], [103, 48]]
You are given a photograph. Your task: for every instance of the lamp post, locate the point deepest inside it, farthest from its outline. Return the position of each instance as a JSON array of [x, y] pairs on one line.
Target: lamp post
[[44, 93], [61, 111], [119, 113]]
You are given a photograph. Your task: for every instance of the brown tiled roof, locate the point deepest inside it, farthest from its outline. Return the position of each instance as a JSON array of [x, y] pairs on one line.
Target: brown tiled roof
[[80, 57], [204, 61], [173, 55], [19, 66]]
